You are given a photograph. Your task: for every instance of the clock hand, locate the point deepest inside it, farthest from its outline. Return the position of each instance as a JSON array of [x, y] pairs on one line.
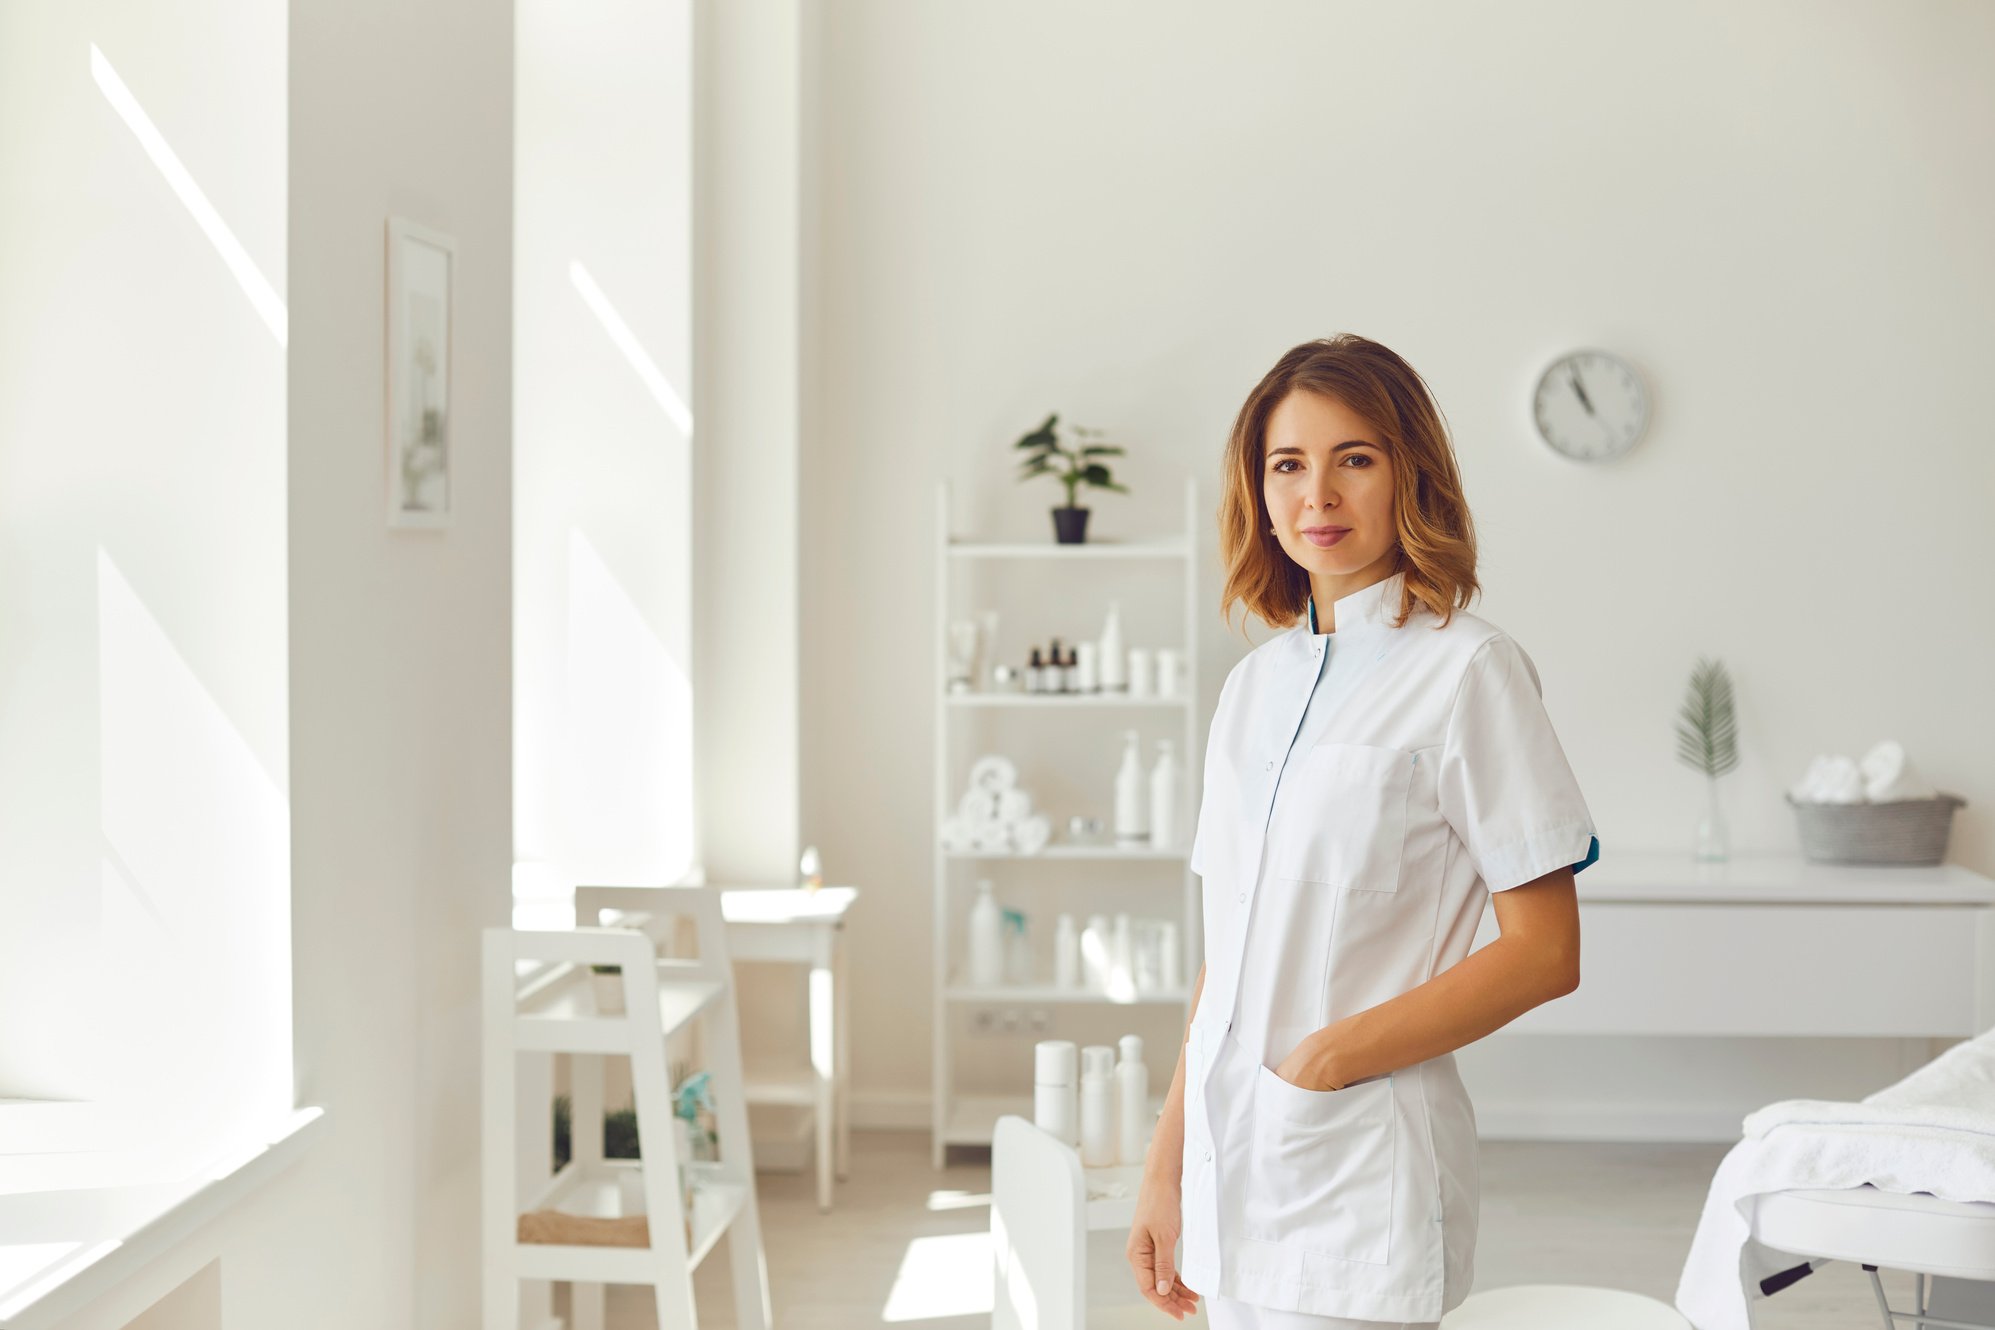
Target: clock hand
[[1580, 388]]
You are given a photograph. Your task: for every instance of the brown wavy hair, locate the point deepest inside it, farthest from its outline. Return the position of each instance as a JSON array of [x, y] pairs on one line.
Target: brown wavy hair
[[1436, 534]]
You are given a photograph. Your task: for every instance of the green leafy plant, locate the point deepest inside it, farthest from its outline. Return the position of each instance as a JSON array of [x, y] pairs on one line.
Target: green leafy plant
[[1706, 731], [1067, 453]]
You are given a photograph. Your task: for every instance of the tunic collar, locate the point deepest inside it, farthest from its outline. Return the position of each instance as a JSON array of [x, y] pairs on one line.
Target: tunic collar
[[1364, 611]]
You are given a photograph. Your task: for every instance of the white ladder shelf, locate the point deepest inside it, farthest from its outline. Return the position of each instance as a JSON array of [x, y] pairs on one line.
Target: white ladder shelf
[[552, 1009]]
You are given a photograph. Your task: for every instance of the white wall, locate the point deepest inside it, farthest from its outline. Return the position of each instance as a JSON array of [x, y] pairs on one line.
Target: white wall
[[1126, 211], [602, 502], [144, 763]]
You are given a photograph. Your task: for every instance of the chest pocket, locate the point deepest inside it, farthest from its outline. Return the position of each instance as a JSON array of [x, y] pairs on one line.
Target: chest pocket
[[1343, 817]]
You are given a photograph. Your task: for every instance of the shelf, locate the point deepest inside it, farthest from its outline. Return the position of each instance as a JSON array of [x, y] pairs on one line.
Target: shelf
[[1094, 852], [596, 1190], [973, 1118], [1012, 995], [1063, 701], [557, 1013], [1175, 547]]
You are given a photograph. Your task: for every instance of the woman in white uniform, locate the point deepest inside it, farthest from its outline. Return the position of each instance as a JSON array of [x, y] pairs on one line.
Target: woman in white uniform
[[1372, 777]]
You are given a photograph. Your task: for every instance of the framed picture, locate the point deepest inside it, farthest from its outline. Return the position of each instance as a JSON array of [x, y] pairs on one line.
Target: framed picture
[[420, 263]]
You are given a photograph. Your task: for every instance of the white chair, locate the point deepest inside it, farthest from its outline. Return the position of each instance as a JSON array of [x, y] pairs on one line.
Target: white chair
[[1562, 1307], [552, 1009], [1058, 1233]]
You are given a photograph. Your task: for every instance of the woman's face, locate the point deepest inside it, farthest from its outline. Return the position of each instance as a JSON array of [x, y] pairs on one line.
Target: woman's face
[[1325, 468]]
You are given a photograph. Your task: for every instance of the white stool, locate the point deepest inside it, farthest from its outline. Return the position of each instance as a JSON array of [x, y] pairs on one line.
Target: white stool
[[1562, 1307]]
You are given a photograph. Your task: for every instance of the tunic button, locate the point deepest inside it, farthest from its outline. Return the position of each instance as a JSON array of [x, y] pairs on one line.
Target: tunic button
[[1243, 898], [1271, 766]]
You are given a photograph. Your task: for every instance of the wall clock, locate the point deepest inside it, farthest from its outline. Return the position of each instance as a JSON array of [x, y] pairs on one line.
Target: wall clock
[[1590, 405]]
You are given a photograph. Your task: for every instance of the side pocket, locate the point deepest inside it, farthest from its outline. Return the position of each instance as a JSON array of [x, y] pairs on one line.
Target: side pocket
[[1323, 1167]]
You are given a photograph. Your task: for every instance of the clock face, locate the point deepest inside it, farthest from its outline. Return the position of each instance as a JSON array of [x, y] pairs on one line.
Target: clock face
[[1590, 405]]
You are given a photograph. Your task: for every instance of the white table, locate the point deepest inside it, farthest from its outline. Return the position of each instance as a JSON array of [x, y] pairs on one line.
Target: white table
[[807, 927]]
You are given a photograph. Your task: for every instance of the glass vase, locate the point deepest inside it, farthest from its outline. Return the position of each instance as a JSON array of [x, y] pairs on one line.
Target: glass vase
[[1713, 842]]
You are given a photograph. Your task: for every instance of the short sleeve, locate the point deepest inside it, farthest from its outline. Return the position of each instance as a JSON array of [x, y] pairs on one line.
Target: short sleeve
[[1505, 785]]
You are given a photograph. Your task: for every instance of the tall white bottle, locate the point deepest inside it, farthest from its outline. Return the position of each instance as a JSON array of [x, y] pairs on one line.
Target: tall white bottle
[[986, 939], [1164, 797], [1132, 1099], [1114, 666], [1132, 799], [1099, 1144], [1066, 953]]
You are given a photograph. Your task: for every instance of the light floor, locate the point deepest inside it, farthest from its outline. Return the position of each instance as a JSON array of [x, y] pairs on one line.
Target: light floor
[[1615, 1215]]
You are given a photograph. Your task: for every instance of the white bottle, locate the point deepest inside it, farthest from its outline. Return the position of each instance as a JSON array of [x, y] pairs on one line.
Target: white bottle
[[1094, 953], [1132, 800], [1066, 953], [1113, 666], [1098, 1131], [1132, 1100], [1170, 663], [1085, 680], [1164, 797], [1017, 950], [1055, 1099], [1142, 676], [986, 939], [1122, 959]]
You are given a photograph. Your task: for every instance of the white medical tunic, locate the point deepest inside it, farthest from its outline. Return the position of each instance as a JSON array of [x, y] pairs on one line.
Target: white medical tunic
[[1364, 791]]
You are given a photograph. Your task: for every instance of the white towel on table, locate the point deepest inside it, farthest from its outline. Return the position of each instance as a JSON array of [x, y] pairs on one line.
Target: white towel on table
[[1933, 1131]]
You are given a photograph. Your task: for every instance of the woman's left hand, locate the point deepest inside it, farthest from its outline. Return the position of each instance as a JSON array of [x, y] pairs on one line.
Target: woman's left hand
[[1310, 1064]]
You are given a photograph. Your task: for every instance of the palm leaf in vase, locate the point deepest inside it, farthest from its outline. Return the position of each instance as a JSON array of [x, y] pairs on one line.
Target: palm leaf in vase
[[1706, 729]]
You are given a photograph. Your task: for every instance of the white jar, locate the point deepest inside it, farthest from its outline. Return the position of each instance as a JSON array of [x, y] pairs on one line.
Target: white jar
[[1142, 673], [1055, 1096]]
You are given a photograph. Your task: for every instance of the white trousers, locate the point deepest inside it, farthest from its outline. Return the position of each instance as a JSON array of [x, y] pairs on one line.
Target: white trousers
[[1229, 1314]]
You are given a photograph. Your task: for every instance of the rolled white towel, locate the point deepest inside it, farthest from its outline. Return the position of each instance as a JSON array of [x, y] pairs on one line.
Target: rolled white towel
[[1014, 805], [1841, 782], [1033, 833], [1888, 775], [1805, 790]]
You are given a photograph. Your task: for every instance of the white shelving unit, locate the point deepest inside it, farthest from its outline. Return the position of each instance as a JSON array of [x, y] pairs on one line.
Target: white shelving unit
[[971, 1119]]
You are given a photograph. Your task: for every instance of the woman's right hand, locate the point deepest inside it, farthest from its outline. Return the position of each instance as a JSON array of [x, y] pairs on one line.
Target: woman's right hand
[[1153, 1239]]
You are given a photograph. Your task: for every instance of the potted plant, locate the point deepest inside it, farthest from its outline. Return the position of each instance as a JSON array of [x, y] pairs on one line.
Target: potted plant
[[608, 981], [1066, 453]]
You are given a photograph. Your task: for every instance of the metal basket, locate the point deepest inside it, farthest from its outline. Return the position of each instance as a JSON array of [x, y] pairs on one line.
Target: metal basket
[[1904, 831]]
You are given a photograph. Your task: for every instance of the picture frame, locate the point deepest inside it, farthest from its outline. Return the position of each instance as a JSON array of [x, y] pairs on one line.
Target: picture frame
[[420, 338]]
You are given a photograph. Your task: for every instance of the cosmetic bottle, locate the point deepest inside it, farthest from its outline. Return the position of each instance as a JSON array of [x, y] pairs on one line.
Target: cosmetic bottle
[[1070, 673], [1098, 1128], [1086, 678], [1132, 1101], [1055, 1096], [1164, 797], [1142, 672], [1094, 953], [986, 939], [1066, 953], [1114, 678], [1034, 673], [1132, 796], [1053, 680]]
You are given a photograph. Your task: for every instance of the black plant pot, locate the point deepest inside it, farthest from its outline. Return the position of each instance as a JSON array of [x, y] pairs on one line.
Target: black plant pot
[[1070, 525]]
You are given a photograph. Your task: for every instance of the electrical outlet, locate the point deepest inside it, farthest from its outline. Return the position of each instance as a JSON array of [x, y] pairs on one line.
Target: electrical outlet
[[983, 1021], [1009, 1022], [1039, 1020]]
